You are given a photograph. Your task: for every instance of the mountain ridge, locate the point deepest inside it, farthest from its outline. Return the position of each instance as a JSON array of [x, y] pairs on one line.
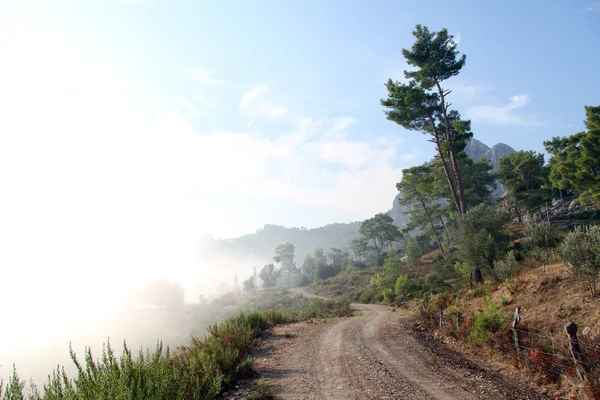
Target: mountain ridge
[[261, 244]]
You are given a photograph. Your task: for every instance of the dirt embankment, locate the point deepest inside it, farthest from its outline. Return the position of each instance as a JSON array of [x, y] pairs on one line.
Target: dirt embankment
[[378, 354]]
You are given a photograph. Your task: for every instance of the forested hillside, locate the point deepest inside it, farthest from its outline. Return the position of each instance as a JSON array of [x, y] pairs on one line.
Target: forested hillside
[[338, 235], [262, 243]]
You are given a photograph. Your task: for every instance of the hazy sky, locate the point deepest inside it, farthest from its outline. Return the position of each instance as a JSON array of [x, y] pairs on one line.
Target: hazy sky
[[128, 129]]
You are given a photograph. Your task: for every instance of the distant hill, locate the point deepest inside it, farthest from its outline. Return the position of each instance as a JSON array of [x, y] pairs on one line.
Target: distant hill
[[261, 245]]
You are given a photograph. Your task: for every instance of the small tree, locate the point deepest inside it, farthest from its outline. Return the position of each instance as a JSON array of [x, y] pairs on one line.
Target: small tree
[[483, 240], [540, 240], [507, 266], [581, 250], [413, 251], [269, 276], [524, 176], [248, 285], [380, 231]]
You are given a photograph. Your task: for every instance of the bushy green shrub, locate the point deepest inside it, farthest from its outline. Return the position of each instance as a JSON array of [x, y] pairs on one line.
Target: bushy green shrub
[[581, 250], [201, 370], [506, 267], [274, 317], [540, 240], [486, 323], [388, 295], [319, 308], [368, 295]]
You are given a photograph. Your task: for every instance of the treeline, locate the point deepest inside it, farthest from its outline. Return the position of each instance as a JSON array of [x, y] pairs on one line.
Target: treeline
[[452, 210], [451, 196]]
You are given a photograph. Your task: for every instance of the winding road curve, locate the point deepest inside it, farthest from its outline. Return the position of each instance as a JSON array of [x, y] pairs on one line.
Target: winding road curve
[[373, 356]]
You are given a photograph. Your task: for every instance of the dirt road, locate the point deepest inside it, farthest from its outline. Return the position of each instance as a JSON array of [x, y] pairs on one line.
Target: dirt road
[[374, 355]]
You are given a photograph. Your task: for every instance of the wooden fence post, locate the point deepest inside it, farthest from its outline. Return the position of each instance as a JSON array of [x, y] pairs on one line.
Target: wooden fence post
[[580, 366], [458, 321], [517, 337]]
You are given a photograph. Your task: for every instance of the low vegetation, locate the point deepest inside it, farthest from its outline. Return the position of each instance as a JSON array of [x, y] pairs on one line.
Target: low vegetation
[[200, 370]]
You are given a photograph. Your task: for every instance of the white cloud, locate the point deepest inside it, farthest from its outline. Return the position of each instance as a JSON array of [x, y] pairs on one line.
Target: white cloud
[[265, 108], [593, 7], [467, 89], [186, 105], [204, 76], [253, 93], [270, 111], [503, 115], [101, 189]]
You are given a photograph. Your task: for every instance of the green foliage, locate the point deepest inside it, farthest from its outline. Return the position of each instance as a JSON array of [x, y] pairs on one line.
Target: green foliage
[[274, 317], [413, 251], [285, 257], [260, 391], [383, 282], [421, 103], [14, 388], [483, 240], [478, 179], [524, 176], [360, 248], [486, 323], [540, 240], [309, 269], [380, 231], [248, 285], [319, 308], [200, 370], [349, 285], [350, 267], [575, 160], [581, 250], [406, 288], [419, 189], [506, 267], [269, 275]]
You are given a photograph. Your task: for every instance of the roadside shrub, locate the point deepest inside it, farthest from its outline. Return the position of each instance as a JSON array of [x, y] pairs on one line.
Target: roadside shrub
[[388, 295], [406, 288], [368, 295], [260, 391], [507, 267], [434, 284], [486, 323], [581, 250], [200, 370], [319, 308], [274, 317], [540, 240]]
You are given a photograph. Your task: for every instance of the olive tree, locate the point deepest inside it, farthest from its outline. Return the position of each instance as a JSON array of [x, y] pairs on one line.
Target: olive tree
[[581, 251], [483, 240], [540, 240]]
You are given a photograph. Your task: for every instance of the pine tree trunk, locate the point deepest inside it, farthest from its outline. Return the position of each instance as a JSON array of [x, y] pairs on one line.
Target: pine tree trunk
[[478, 276], [459, 187], [443, 160], [445, 231], [435, 234], [460, 195]]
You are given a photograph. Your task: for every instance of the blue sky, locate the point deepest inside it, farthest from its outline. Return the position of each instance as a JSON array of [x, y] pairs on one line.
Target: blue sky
[[129, 129]]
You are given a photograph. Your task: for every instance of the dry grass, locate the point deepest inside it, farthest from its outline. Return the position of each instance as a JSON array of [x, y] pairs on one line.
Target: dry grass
[[548, 301]]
